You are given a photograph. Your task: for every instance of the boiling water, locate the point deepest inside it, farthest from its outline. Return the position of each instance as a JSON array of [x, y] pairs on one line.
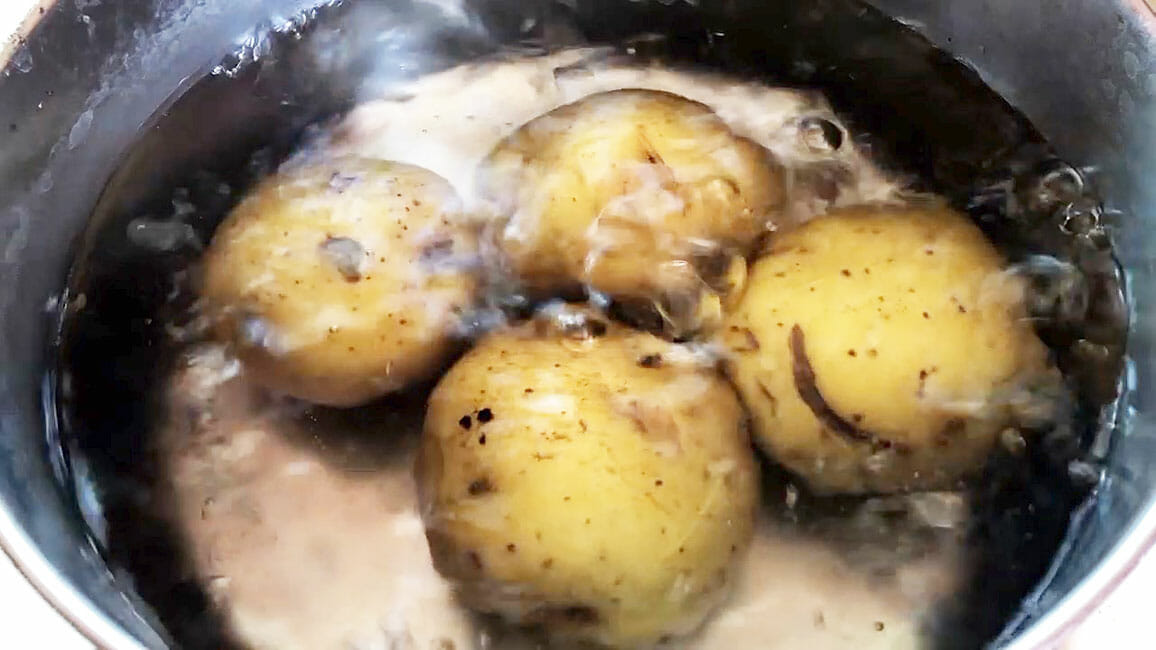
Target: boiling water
[[250, 520]]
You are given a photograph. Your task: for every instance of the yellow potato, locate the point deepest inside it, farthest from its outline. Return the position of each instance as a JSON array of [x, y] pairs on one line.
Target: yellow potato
[[600, 487], [339, 281], [629, 192], [882, 350]]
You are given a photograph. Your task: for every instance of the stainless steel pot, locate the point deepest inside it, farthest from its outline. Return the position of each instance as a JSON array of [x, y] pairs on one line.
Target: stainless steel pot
[[90, 75]]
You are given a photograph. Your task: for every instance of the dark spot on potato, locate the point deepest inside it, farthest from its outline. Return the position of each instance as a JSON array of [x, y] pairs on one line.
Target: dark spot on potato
[[438, 249], [651, 361], [923, 375], [512, 548], [480, 486], [879, 626], [846, 273], [482, 439], [528, 391], [852, 353], [474, 559], [954, 427], [548, 563], [926, 315], [962, 309], [857, 417], [808, 389], [819, 620], [465, 422], [485, 415], [658, 482]]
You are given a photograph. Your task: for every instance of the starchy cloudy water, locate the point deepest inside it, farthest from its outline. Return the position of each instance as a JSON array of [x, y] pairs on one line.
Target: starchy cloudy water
[[305, 530]]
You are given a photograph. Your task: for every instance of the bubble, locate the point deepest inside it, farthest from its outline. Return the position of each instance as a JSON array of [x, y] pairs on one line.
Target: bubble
[[1060, 184], [162, 236], [1084, 472], [1080, 216], [1058, 292], [572, 321], [1013, 442], [476, 322], [820, 135], [257, 332]]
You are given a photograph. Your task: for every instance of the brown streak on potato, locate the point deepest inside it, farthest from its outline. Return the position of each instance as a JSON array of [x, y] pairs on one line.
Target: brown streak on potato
[[652, 421], [749, 338], [772, 402], [808, 388], [475, 560]]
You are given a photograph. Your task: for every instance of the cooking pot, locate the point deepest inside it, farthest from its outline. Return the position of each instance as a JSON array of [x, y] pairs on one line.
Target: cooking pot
[[90, 116]]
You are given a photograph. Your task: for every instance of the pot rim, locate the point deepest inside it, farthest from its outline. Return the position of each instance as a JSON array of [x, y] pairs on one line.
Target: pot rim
[[74, 607]]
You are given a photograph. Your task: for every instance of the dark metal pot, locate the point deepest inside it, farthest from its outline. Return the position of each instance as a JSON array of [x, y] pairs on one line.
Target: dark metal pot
[[90, 76]]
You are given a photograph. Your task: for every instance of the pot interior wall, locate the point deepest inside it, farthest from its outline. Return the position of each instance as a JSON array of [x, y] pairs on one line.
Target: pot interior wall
[[72, 118]]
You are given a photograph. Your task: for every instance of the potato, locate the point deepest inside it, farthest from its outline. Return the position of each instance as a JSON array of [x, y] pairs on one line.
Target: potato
[[339, 281], [882, 350], [600, 487], [629, 192]]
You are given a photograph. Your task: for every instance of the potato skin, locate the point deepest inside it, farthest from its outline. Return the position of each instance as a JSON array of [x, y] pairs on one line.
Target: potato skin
[[622, 190], [336, 279], [883, 350], [591, 486]]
